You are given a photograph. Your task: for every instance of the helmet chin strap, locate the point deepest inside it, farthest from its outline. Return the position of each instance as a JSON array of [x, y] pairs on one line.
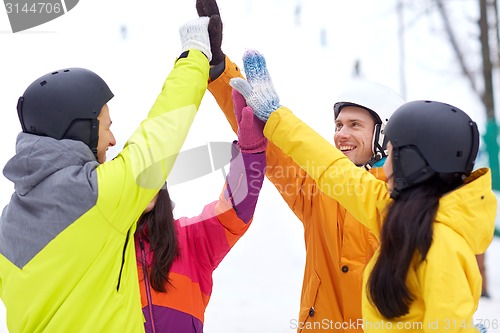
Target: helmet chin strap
[[373, 160], [378, 146], [94, 151], [94, 137]]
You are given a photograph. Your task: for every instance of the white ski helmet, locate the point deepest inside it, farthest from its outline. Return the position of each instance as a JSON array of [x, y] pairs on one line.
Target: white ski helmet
[[380, 101]]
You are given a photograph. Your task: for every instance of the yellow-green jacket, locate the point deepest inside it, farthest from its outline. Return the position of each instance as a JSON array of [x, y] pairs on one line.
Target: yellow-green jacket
[[447, 285], [67, 257]]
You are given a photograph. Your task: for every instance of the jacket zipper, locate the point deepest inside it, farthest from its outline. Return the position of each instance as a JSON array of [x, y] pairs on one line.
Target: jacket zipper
[[123, 261], [146, 284]]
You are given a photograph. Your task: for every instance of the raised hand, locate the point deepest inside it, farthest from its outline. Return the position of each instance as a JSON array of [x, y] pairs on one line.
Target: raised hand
[[250, 136], [210, 9], [194, 35], [258, 90]]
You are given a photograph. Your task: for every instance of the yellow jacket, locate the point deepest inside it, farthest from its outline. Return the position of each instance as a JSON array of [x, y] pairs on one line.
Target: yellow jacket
[[447, 285], [67, 256], [337, 246]]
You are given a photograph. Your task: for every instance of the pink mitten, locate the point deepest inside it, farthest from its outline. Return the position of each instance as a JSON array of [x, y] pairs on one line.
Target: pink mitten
[[250, 136]]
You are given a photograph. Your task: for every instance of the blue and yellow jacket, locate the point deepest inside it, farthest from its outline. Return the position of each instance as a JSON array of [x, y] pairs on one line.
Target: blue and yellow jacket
[[67, 256]]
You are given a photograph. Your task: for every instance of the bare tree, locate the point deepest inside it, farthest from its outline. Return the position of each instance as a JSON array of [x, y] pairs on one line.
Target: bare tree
[[486, 95], [456, 47]]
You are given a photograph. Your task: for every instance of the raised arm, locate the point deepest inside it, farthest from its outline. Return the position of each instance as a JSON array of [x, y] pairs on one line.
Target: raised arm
[[360, 192], [131, 180], [355, 189], [294, 185], [222, 223]]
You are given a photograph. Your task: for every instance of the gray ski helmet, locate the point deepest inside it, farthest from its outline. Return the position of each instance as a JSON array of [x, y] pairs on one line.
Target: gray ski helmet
[[65, 104], [431, 137]]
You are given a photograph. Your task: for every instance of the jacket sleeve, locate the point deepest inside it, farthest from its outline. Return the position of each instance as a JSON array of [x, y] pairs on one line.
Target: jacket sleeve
[[363, 195], [295, 186], [222, 92], [449, 286], [128, 183], [222, 223], [244, 182]]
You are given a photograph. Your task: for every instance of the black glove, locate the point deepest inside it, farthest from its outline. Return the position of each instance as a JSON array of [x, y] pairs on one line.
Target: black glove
[[209, 8]]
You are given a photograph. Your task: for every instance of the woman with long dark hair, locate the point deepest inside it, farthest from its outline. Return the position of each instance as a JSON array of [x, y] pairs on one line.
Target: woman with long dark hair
[[431, 218], [176, 257]]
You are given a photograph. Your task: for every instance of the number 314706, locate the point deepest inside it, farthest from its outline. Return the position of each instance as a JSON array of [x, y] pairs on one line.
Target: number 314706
[[34, 8]]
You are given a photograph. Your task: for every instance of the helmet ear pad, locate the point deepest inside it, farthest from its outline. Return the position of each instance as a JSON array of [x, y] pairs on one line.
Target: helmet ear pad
[[416, 170], [410, 167], [85, 130]]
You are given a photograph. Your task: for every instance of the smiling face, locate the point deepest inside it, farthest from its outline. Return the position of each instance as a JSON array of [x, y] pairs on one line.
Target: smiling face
[[106, 137], [354, 134]]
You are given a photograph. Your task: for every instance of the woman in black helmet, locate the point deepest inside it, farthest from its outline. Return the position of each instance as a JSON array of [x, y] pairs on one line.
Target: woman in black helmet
[[431, 219]]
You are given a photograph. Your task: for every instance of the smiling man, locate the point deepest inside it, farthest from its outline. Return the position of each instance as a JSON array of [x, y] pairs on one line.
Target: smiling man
[[338, 247], [361, 113], [353, 133], [423, 178]]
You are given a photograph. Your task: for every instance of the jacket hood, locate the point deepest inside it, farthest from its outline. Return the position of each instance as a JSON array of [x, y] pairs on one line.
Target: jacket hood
[[470, 210], [38, 157]]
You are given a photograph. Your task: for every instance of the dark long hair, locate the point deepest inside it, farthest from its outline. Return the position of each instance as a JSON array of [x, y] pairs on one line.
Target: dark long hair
[[158, 229], [406, 232]]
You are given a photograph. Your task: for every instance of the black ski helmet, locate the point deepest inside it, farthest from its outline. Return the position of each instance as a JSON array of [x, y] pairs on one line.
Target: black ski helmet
[[431, 138], [65, 104]]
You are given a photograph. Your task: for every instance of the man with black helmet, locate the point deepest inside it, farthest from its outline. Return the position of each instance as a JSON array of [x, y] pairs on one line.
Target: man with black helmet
[[67, 259], [69, 104], [338, 247], [431, 217]]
